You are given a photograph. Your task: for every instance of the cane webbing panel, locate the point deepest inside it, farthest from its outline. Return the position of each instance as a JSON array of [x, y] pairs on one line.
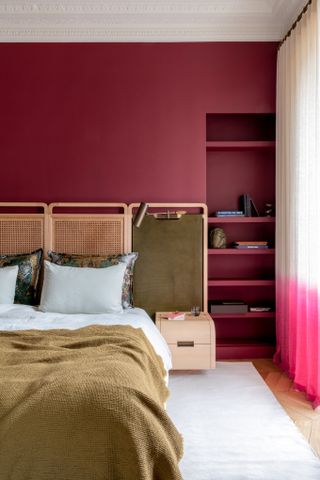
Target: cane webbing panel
[[21, 234], [88, 236]]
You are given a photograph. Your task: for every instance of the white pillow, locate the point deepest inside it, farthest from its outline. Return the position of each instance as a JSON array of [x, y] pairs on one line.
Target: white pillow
[[8, 280], [82, 290]]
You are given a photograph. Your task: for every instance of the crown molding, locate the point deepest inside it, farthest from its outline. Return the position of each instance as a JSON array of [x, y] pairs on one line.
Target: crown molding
[[146, 21]]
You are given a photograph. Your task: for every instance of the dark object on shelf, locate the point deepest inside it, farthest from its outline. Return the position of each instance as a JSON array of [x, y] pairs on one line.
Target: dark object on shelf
[[269, 210], [235, 307], [218, 238], [248, 206], [229, 213]]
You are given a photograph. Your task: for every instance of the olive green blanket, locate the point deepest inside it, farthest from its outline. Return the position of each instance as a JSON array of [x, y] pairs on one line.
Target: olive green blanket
[[85, 404]]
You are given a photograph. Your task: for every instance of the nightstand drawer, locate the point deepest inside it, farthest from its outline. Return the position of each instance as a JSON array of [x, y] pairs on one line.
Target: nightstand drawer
[[191, 358], [182, 330]]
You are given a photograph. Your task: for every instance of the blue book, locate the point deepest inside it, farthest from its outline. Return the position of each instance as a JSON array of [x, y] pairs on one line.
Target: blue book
[[226, 213]]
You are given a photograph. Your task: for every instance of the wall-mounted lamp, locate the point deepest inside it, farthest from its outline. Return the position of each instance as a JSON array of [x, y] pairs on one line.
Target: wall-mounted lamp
[[139, 216], [142, 212]]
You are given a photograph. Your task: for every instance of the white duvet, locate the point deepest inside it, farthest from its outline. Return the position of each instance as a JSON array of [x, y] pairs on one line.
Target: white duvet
[[24, 317]]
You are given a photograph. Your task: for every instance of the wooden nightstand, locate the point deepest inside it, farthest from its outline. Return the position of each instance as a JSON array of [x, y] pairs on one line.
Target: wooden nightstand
[[192, 341]]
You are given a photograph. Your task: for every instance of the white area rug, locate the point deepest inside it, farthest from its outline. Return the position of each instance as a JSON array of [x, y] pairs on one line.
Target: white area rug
[[235, 429]]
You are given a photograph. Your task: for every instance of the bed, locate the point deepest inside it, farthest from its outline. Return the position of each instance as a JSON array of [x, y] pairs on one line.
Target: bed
[[81, 395]]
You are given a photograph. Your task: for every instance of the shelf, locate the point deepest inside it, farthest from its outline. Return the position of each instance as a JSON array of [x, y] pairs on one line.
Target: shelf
[[241, 251], [240, 283], [241, 220], [239, 145], [241, 348], [243, 315]]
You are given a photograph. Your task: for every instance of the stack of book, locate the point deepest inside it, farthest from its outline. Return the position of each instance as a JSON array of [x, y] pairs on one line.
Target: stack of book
[[229, 213], [248, 245]]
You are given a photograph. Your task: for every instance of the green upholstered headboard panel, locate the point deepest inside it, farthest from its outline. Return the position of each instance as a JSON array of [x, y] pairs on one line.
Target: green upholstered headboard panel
[[169, 271]]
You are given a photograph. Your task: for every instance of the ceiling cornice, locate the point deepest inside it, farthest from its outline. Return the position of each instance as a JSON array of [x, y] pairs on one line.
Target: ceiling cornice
[[146, 21]]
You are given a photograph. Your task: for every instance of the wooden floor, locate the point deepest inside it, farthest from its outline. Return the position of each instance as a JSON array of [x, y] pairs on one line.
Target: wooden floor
[[294, 402]]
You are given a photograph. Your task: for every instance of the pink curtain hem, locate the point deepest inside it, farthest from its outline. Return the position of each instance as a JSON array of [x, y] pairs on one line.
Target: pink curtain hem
[[314, 399]]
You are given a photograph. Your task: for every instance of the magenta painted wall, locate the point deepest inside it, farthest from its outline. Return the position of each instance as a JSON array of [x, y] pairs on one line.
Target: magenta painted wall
[[120, 122]]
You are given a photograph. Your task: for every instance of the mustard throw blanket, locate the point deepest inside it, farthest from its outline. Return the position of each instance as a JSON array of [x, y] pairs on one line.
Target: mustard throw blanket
[[85, 404]]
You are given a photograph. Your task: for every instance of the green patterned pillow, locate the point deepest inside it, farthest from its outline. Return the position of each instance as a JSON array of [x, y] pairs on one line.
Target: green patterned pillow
[[28, 275], [97, 261]]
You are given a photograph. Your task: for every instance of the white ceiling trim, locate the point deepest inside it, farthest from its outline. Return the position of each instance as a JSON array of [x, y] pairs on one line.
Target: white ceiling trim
[[148, 21]]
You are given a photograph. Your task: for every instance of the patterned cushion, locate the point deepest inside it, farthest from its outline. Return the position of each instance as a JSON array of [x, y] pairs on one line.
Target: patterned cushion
[[29, 268], [97, 261]]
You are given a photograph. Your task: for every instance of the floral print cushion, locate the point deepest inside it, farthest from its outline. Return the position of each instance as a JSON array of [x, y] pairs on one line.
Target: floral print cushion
[[28, 275], [97, 261]]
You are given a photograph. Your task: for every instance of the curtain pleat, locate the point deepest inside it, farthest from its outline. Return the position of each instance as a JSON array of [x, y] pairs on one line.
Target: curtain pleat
[[298, 205]]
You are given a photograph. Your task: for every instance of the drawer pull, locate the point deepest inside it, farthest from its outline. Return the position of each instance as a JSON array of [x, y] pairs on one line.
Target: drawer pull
[[185, 344]]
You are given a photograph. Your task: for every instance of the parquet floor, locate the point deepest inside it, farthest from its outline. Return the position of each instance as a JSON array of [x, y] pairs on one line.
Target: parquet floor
[[297, 407]]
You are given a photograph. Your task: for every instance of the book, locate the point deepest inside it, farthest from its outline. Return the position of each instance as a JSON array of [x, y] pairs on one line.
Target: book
[[245, 205], [251, 243], [174, 315], [248, 247], [229, 213]]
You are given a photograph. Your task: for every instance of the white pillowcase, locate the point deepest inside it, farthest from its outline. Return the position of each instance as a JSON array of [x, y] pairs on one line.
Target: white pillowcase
[[82, 290], [8, 280]]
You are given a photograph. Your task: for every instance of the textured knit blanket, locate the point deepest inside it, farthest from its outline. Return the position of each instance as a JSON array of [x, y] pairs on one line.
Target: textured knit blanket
[[85, 404]]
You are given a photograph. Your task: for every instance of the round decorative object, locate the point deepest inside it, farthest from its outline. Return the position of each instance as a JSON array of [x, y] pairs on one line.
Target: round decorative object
[[218, 238]]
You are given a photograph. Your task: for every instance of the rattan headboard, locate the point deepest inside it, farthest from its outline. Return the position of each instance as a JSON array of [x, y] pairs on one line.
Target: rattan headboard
[[78, 228], [22, 230]]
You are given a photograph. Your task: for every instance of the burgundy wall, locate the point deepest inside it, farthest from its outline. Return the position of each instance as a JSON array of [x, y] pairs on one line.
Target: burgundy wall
[[120, 122]]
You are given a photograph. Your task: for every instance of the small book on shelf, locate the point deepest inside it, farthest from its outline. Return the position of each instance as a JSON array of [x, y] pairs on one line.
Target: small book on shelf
[[248, 245], [229, 213]]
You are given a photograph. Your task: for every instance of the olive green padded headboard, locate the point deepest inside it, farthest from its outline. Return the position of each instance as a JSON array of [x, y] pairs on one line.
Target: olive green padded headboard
[[169, 273]]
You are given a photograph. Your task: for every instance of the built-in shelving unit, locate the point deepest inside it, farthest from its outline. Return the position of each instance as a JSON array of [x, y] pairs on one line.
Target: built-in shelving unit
[[241, 159]]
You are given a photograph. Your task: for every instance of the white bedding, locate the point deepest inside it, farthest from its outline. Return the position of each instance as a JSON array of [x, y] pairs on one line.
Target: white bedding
[[24, 317]]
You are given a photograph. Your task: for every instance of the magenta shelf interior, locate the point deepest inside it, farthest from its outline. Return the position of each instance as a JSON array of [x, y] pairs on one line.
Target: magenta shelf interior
[[241, 159]]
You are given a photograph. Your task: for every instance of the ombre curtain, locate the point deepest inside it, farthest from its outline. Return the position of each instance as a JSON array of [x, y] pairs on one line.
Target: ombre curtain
[[298, 204]]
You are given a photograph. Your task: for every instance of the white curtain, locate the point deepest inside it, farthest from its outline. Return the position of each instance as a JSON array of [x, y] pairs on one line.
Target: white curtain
[[298, 204]]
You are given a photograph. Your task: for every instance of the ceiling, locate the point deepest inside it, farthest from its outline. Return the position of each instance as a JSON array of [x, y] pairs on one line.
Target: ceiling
[[146, 20]]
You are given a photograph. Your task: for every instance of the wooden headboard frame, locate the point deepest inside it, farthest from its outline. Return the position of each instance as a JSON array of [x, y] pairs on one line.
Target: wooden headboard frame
[[20, 230], [73, 229], [77, 228], [202, 207]]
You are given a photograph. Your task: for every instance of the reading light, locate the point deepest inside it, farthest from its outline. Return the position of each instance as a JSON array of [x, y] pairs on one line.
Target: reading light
[[139, 216]]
